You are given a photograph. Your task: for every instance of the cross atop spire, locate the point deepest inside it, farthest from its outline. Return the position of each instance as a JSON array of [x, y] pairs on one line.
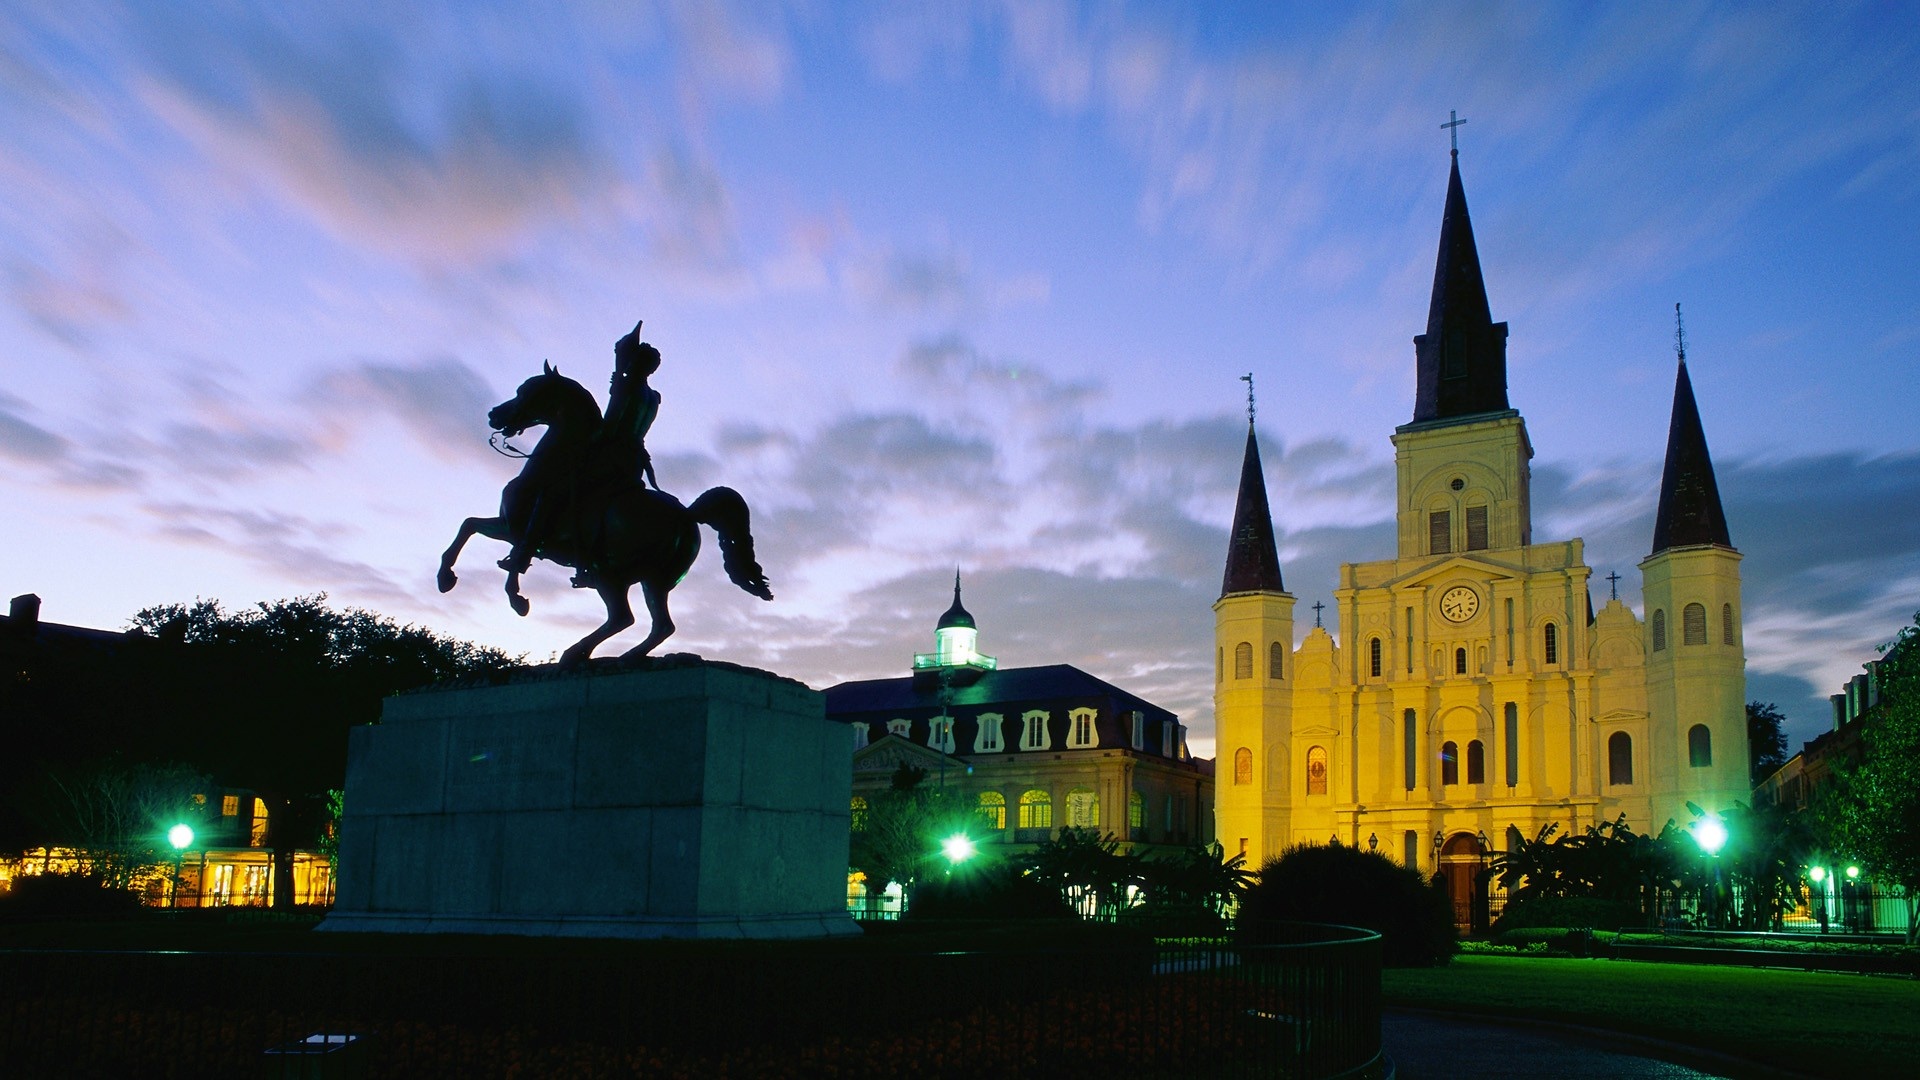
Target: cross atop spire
[[1453, 130], [1318, 607], [1248, 379], [1613, 581], [1679, 333]]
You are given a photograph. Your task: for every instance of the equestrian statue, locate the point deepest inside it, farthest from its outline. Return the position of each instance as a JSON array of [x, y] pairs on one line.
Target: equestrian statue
[[587, 499]]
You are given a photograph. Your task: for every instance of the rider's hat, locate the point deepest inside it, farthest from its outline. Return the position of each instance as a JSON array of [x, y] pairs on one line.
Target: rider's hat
[[631, 356]]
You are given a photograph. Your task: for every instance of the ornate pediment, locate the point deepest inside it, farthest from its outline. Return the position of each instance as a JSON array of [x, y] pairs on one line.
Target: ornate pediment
[[1469, 565], [892, 751]]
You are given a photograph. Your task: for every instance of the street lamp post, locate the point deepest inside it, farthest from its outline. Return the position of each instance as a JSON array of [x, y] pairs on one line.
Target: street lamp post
[[1711, 834], [181, 837]]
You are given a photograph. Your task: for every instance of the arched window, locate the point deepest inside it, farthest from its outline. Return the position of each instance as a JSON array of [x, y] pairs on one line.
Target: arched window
[[1476, 528], [1136, 811], [1083, 808], [1476, 762], [1243, 766], [1317, 770], [1693, 624], [1243, 661], [1373, 657], [1726, 624], [1699, 746], [1449, 763], [1459, 661], [1036, 810], [1276, 662], [1619, 758], [992, 808], [859, 808], [1659, 629], [1550, 638], [1439, 532]]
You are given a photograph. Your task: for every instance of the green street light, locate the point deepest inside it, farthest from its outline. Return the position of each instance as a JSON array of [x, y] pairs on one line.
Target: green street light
[[1711, 835], [958, 848], [1817, 874], [180, 836], [1853, 873]]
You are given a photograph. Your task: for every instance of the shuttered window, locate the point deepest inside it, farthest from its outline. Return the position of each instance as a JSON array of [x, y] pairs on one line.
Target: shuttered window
[[1439, 532], [1693, 624], [1476, 528]]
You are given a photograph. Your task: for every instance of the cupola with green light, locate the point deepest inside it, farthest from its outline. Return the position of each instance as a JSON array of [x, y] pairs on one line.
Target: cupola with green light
[[955, 640]]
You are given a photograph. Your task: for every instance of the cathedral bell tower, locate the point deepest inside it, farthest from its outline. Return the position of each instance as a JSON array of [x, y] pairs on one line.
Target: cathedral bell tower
[[1696, 657], [1253, 662], [1463, 463]]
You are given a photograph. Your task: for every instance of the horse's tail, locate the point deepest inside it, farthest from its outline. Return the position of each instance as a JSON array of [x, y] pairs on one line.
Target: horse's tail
[[724, 510]]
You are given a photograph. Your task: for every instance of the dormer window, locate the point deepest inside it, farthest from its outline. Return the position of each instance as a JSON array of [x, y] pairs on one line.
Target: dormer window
[[1033, 734], [859, 736], [940, 734], [899, 727], [1080, 732], [1139, 727], [987, 739]]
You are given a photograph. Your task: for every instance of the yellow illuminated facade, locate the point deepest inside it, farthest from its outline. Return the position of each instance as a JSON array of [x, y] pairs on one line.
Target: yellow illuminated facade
[[1474, 694]]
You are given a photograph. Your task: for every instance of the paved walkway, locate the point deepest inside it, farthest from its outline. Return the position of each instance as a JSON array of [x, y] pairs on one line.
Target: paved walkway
[[1432, 1046]]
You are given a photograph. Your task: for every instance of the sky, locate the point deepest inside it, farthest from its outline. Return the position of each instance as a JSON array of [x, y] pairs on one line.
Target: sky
[[954, 285]]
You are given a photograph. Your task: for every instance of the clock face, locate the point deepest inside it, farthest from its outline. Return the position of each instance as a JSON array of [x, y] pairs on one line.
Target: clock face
[[1459, 603]]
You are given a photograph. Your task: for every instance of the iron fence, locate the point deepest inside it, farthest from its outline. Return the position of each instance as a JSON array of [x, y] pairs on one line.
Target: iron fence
[[1828, 907], [1126, 1005]]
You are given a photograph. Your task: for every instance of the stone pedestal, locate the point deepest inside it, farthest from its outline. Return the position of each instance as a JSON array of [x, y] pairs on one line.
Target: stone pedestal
[[681, 799]]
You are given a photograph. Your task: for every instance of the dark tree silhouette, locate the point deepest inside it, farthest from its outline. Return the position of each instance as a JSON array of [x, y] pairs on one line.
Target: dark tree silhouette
[[259, 699], [1766, 741]]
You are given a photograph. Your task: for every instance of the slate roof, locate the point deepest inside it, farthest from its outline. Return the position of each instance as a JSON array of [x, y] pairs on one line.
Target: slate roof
[[1462, 358], [1690, 514], [1253, 565]]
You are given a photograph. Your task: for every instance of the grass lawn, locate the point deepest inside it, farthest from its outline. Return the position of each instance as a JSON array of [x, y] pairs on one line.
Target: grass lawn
[[1813, 1022]]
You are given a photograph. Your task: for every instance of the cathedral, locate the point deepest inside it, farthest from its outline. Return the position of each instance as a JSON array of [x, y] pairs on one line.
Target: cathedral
[[1475, 696]]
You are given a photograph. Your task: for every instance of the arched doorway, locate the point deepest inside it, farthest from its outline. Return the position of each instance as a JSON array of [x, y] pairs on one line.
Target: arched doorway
[[1461, 860]]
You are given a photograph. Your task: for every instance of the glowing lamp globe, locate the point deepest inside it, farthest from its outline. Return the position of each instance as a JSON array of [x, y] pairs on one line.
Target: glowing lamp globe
[[1853, 873], [1817, 874], [1711, 835], [180, 836], [958, 848]]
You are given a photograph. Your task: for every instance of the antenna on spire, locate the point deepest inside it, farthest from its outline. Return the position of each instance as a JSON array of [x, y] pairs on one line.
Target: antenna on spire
[[1248, 379], [1453, 128], [1679, 334]]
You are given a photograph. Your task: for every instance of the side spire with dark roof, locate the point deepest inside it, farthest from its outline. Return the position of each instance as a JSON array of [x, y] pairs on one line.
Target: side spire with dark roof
[[1462, 358], [1253, 564], [1690, 513]]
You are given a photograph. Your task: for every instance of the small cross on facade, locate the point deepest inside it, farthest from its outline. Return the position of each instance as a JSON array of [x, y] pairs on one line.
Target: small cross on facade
[[1613, 580], [1248, 379], [1453, 128], [1317, 605]]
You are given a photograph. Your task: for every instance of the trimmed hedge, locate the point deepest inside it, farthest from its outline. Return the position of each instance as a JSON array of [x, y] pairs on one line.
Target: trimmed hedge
[[1350, 887]]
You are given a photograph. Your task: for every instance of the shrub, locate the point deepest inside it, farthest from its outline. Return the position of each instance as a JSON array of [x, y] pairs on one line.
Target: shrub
[[42, 895], [995, 893], [1569, 912], [1350, 887]]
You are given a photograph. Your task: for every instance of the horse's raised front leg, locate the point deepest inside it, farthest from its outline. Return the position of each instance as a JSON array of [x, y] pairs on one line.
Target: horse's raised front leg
[[514, 599], [656, 598], [619, 617], [493, 527]]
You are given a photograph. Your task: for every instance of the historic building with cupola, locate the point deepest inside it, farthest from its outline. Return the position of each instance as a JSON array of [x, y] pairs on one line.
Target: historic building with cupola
[[1032, 750], [1475, 695]]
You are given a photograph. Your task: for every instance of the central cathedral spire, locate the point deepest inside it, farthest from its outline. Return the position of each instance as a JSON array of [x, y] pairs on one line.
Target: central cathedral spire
[[1462, 358]]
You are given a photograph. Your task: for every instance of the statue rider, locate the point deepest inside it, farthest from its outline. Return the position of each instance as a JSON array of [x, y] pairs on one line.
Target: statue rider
[[620, 450], [617, 458]]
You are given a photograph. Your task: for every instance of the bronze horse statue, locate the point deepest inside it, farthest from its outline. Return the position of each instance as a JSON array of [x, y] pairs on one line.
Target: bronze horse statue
[[615, 531]]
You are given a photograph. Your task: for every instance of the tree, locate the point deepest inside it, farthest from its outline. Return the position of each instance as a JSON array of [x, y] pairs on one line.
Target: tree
[[1766, 741], [1090, 872], [901, 831], [115, 815], [260, 699], [1871, 814]]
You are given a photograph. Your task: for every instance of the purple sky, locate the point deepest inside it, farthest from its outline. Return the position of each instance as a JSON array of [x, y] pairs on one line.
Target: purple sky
[[950, 284]]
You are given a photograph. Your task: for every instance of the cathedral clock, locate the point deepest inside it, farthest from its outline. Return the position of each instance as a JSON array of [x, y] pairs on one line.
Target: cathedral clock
[[1459, 603]]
